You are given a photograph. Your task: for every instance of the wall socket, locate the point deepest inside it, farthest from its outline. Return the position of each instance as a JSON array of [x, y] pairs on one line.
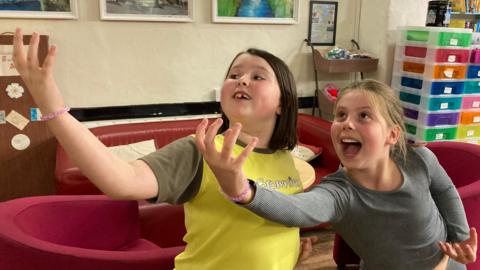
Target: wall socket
[[216, 93]]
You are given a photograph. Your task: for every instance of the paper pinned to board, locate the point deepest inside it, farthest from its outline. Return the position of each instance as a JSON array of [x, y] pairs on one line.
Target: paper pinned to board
[[17, 120], [7, 67]]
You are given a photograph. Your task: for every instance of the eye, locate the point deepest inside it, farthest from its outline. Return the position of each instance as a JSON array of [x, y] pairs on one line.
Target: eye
[[258, 77], [365, 115], [233, 76], [340, 115]]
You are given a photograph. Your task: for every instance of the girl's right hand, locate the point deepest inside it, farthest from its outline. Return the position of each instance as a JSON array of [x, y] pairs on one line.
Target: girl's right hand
[[39, 79], [227, 169]]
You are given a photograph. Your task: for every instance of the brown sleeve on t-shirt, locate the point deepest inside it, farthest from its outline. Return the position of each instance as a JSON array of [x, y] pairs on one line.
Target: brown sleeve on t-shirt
[[178, 168]]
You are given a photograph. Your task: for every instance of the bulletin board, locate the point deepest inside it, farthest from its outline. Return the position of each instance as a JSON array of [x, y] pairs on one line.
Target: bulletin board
[[27, 148]]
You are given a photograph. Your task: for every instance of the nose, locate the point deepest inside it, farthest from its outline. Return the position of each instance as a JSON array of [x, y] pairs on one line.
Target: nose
[[243, 80], [348, 124]]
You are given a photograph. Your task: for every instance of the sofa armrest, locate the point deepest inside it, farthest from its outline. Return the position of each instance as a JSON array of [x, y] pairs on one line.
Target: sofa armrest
[[162, 224], [316, 131]]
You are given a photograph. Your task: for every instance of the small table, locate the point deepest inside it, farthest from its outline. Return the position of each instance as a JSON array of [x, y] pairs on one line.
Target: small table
[[305, 171]]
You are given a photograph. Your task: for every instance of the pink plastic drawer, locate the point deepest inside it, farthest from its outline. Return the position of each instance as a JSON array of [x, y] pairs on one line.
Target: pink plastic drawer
[[475, 56], [438, 55], [471, 102]]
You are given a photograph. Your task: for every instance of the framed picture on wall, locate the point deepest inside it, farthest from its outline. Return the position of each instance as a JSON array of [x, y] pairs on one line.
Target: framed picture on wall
[[152, 10], [255, 11], [322, 23], [39, 9]]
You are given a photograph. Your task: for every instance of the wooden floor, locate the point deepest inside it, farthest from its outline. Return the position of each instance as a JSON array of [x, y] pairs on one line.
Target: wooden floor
[[321, 258]]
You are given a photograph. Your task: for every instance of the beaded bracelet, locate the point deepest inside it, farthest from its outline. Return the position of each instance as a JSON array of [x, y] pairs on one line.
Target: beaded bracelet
[[242, 196], [52, 115]]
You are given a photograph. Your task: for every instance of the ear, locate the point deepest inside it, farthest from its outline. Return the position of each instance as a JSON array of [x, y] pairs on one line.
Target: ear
[[394, 135]]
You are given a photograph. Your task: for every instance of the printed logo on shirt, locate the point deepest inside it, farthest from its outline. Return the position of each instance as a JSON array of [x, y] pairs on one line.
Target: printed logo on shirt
[[279, 184]]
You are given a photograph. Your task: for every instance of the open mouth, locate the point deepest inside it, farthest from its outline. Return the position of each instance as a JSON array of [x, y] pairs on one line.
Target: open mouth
[[241, 95], [350, 147]]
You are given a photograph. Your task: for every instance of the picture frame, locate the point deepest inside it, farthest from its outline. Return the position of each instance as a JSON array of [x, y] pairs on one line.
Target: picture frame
[[232, 11], [40, 9], [322, 23], [160, 11]]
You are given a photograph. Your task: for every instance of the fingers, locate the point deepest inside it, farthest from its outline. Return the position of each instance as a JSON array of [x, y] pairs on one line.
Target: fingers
[[230, 136], [306, 248], [32, 56], [248, 149], [473, 237], [18, 53], [49, 61], [200, 135], [212, 131]]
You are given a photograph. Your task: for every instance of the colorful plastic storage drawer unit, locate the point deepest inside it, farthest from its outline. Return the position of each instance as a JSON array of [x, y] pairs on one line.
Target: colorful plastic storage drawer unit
[[475, 56], [431, 103], [471, 102], [473, 72], [472, 87], [437, 36], [430, 134], [428, 86], [470, 117], [431, 70], [431, 119], [468, 131], [433, 54]]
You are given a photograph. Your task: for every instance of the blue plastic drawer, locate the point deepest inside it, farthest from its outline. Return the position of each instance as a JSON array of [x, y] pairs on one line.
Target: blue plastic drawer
[[428, 86], [473, 72]]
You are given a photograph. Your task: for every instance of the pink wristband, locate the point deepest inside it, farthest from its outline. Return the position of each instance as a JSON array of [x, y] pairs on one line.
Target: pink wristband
[[52, 115], [242, 196]]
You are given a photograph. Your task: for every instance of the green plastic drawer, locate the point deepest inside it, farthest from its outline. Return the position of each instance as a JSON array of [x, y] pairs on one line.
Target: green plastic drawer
[[454, 39], [415, 35]]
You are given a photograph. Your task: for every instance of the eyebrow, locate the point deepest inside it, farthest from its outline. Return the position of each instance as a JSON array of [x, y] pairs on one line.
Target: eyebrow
[[256, 66], [358, 109]]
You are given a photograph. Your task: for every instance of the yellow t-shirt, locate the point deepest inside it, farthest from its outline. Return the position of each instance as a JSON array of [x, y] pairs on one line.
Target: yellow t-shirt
[[223, 235]]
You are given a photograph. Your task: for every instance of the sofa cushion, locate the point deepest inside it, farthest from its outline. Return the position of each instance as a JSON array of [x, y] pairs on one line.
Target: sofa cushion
[[306, 152], [133, 151]]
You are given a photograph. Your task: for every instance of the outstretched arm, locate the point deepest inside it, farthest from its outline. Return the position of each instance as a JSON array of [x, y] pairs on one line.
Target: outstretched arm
[[113, 176], [464, 251], [227, 169], [326, 202]]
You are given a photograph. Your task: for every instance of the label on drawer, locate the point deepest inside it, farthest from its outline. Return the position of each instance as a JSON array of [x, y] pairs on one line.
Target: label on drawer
[[470, 133], [444, 105], [476, 104], [451, 58], [447, 90], [439, 136], [476, 119], [448, 72], [478, 73], [454, 42]]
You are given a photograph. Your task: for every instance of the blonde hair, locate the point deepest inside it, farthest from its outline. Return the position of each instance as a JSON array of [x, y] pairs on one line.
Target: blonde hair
[[386, 101]]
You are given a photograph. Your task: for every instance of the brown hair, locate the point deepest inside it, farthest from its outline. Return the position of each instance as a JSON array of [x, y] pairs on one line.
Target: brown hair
[[386, 101], [285, 131]]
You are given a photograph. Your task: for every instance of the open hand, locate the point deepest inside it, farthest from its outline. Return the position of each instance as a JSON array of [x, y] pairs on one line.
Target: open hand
[[39, 79], [227, 169], [462, 252]]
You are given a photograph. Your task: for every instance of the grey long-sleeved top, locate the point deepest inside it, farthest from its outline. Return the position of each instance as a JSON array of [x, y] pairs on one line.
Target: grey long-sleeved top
[[391, 230]]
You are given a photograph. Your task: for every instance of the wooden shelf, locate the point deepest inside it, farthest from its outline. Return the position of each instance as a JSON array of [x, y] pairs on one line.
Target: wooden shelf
[[344, 65]]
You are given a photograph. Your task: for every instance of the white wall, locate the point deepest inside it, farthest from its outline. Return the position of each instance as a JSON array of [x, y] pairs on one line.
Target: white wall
[[107, 63], [378, 28]]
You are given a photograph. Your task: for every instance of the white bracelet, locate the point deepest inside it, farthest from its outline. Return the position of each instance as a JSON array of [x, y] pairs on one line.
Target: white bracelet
[[242, 196], [52, 115]]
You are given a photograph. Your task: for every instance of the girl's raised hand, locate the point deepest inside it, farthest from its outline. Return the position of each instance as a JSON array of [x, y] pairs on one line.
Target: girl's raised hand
[[227, 169], [39, 79], [463, 252]]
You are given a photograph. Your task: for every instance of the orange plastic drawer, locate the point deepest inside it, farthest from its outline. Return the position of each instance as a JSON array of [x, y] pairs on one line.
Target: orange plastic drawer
[[449, 72], [468, 118], [413, 67]]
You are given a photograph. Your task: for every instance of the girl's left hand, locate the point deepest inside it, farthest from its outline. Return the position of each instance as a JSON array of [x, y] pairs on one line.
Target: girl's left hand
[[227, 169], [462, 252]]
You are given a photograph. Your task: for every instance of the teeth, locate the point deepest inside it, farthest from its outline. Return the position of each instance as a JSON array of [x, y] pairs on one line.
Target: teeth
[[349, 141], [241, 96]]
